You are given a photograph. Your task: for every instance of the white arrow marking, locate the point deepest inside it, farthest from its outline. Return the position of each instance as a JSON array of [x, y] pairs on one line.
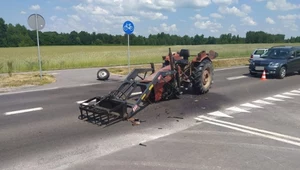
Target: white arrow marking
[[236, 109], [274, 99], [219, 114], [251, 105], [261, 102]]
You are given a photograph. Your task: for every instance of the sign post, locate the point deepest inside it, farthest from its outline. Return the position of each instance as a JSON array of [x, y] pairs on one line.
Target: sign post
[[37, 22], [128, 28]]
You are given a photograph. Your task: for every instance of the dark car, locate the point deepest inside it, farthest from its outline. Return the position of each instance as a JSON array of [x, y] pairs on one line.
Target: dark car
[[278, 61]]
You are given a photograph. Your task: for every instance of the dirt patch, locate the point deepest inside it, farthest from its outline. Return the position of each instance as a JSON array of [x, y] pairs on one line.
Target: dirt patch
[[219, 63], [18, 80]]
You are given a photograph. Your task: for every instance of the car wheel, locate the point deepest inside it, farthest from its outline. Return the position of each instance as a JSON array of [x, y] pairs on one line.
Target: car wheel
[[103, 74], [282, 72]]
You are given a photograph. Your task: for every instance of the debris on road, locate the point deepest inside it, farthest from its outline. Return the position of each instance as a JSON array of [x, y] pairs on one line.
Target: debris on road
[[142, 144], [176, 117]]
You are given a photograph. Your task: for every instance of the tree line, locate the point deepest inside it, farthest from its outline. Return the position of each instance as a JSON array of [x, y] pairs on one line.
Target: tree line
[[19, 36]]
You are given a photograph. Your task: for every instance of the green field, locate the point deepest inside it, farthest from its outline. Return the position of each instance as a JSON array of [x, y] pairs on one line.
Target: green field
[[65, 57]]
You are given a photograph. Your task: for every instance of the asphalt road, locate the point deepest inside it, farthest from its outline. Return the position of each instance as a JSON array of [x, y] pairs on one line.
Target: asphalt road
[[51, 137]]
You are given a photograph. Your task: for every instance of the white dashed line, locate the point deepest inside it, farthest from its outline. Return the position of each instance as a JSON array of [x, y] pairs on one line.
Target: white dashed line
[[235, 78], [273, 99], [219, 114], [282, 96], [236, 109], [251, 105], [23, 111]]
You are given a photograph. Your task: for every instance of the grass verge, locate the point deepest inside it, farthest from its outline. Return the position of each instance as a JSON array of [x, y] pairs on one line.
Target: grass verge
[[18, 80], [22, 59], [219, 63]]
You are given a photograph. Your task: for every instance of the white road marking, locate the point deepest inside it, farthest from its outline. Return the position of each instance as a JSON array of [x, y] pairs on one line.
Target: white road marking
[[295, 91], [282, 96], [82, 101], [23, 111], [291, 94], [251, 105], [236, 109], [89, 84], [273, 99], [236, 77], [230, 68], [262, 102], [249, 131], [219, 114], [253, 129], [54, 73]]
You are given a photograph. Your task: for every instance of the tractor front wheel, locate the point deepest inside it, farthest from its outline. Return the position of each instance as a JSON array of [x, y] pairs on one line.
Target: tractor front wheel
[[202, 77], [103, 74]]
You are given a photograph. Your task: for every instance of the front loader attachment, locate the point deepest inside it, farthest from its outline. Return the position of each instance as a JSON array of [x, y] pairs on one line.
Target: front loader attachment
[[122, 103]]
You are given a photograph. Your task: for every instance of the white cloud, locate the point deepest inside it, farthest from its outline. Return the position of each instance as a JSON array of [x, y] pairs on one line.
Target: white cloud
[[199, 17], [75, 17], [231, 10], [59, 8], [282, 5], [163, 28], [216, 15], [289, 17], [248, 21], [23, 12], [153, 15], [53, 18], [246, 8], [211, 26], [270, 20], [289, 21], [224, 2], [232, 28], [35, 7]]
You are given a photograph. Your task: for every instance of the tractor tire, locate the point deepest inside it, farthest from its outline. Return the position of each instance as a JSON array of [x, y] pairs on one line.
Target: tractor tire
[[202, 77], [103, 74]]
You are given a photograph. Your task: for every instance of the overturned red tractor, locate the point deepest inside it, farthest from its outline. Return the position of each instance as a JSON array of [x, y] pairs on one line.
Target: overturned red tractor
[[139, 89]]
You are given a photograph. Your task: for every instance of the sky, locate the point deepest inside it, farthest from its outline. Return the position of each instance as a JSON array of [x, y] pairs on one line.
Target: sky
[[181, 17]]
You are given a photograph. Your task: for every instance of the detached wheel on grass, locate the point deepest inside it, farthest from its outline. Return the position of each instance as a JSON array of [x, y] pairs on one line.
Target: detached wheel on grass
[[103, 74], [203, 77]]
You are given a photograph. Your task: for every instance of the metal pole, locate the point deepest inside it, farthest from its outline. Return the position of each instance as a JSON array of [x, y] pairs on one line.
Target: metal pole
[[128, 55], [38, 44]]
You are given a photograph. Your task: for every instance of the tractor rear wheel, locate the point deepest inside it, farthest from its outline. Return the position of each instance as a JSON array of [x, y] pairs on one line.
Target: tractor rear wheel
[[202, 77]]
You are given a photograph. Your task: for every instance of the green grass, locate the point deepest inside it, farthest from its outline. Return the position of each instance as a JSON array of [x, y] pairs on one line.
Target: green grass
[[66, 57]]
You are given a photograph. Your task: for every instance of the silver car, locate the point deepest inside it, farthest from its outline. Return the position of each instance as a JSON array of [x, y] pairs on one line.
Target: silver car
[[257, 53]]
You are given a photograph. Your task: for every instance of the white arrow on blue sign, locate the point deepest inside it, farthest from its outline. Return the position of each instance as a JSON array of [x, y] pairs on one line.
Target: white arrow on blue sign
[[128, 27]]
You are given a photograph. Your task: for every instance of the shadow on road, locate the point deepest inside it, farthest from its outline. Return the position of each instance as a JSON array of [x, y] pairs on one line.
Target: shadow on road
[[188, 105]]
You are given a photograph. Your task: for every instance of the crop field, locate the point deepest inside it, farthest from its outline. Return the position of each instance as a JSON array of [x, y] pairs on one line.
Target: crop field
[[67, 57]]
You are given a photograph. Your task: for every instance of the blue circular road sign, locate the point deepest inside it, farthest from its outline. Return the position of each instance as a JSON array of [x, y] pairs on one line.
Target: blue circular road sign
[[128, 27]]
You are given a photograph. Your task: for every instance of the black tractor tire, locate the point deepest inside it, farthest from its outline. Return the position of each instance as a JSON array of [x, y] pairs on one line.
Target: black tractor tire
[[282, 72], [103, 74], [202, 77]]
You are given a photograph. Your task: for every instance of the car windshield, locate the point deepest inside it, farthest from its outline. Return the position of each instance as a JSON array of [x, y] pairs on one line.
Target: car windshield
[[277, 53]]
